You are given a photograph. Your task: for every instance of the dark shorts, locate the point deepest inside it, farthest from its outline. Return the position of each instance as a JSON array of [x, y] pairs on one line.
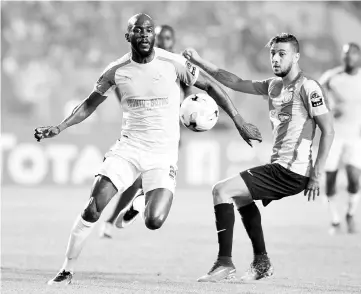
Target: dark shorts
[[273, 182]]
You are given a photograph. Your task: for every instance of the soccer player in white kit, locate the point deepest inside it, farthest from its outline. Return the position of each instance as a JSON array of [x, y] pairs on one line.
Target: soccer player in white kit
[[148, 81], [344, 87], [131, 203]]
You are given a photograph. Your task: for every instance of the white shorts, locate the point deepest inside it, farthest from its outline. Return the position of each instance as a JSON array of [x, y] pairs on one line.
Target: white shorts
[[344, 152], [124, 163]]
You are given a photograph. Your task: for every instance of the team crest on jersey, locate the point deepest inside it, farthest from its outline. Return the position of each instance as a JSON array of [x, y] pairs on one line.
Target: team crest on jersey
[[316, 99], [284, 117], [288, 95]]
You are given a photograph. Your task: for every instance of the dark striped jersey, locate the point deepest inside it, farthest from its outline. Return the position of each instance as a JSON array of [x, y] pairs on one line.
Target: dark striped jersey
[[292, 110]]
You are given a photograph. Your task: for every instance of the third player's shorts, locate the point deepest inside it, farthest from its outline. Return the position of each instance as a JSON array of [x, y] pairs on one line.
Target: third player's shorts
[[124, 163], [273, 182], [344, 152]]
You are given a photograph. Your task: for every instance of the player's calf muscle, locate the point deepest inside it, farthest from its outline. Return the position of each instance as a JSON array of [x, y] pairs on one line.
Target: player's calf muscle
[[353, 177]]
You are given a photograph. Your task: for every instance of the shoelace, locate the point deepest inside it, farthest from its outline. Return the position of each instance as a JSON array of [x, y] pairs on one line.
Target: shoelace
[[259, 266]]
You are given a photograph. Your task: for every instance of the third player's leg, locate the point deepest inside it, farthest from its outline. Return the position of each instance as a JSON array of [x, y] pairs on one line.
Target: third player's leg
[[125, 199], [353, 177], [353, 188]]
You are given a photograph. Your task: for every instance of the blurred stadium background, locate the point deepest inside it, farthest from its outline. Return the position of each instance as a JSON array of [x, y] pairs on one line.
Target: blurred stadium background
[[53, 52]]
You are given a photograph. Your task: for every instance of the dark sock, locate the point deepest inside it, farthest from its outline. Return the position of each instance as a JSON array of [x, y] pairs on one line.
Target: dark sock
[[251, 219], [224, 222]]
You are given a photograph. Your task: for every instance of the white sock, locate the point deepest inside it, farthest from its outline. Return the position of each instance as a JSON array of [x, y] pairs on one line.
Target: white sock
[[353, 201], [139, 203], [79, 233], [332, 205]]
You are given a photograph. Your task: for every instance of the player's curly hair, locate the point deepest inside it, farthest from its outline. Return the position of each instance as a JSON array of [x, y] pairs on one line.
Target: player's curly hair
[[285, 38]]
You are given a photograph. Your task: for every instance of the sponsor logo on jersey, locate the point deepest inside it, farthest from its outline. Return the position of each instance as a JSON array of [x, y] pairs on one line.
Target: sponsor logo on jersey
[[316, 99], [288, 95], [284, 117], [147, 103]]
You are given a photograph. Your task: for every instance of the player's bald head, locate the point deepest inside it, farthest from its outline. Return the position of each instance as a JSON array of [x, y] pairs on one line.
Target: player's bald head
[[141, 35], [140, 19], [351, 47], [350, 55]]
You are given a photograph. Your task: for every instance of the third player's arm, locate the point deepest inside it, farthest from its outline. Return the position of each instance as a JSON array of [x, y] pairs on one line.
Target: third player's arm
[[82, 111], [226, 78], [247, 131]]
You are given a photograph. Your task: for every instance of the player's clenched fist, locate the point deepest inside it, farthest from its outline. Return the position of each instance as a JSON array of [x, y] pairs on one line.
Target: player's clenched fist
[[46, 132], [192, 55]]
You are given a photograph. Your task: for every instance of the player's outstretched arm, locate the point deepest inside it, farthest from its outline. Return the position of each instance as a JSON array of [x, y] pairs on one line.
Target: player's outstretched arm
[[80, 113], [226, 78], [247, 131]]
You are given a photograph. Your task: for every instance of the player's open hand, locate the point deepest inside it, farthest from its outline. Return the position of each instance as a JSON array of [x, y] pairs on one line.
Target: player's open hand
[[249, 132], [46, 132], [192, 55], [313, 188]]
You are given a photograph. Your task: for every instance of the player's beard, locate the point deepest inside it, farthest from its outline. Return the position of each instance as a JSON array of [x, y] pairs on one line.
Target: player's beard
[[146, 53], [284, 72]]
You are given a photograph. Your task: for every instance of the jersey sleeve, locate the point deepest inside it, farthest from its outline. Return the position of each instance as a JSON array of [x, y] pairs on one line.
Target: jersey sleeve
[[105, 84], [187, 72], [314, 98], [261, 86]]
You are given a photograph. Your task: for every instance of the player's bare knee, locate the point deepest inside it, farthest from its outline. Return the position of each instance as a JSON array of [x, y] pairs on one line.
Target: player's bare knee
[[219, 192], [91, 213], [153, 223]]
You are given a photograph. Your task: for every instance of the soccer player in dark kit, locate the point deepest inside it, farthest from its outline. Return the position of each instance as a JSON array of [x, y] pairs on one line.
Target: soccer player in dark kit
[[297, 105]]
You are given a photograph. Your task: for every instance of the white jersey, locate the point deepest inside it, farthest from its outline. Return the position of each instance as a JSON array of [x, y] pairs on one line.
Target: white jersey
[[150, 97], [345, 92]]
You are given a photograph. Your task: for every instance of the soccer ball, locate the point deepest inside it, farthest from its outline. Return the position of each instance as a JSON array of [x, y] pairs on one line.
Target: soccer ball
[[199, 112]]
